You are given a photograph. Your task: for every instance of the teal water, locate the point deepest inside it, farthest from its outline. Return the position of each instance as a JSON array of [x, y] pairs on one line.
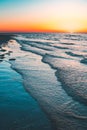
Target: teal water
[[18, 110]]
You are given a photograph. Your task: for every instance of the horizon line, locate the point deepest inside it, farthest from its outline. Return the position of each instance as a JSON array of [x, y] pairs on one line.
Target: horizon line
[[8, 32]]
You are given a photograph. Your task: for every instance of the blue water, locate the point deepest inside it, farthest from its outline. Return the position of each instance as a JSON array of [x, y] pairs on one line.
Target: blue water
[[18, 110]]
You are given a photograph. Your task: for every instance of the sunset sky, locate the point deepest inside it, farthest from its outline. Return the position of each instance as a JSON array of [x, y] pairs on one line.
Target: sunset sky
[[43, 15]]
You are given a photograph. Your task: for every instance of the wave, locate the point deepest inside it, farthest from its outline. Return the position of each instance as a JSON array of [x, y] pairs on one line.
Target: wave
[[67, 69], [60, 47], [68, 43], [60, 90], [72, 79], [84, 61], [74, 54], [38, 45], [65, 72]]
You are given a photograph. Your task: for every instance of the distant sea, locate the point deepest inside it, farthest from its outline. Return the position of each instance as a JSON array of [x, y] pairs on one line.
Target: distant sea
[[53, 70]]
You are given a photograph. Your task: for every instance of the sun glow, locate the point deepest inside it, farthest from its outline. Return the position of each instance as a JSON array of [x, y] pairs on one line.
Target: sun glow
[[71, 26], [72, 17]]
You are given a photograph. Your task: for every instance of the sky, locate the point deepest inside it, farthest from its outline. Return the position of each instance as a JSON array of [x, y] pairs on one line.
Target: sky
[[43, 15]]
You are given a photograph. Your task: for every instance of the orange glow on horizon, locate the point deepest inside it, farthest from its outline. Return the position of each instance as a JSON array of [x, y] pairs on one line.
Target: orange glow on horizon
[[43, 27], [58, 17]]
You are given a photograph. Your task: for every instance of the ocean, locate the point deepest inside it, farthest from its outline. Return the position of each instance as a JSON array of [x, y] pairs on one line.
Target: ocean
[[54, 71]]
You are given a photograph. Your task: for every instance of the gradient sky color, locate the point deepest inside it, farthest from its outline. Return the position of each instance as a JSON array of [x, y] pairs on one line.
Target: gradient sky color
[[43, 15]]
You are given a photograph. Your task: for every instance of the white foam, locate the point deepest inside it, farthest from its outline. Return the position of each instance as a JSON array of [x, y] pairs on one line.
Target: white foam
[[41, 82]]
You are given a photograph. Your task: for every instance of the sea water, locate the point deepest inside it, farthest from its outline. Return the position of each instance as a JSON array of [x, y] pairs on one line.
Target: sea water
[[18, 110], [54, 71]]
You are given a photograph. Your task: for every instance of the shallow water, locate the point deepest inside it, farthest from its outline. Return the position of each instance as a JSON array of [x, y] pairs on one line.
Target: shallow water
[[54, 71], [18, 110]]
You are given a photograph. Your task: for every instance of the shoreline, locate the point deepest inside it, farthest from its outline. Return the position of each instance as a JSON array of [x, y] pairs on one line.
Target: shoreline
[[44, 86], [53, 127], [42, 121]]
